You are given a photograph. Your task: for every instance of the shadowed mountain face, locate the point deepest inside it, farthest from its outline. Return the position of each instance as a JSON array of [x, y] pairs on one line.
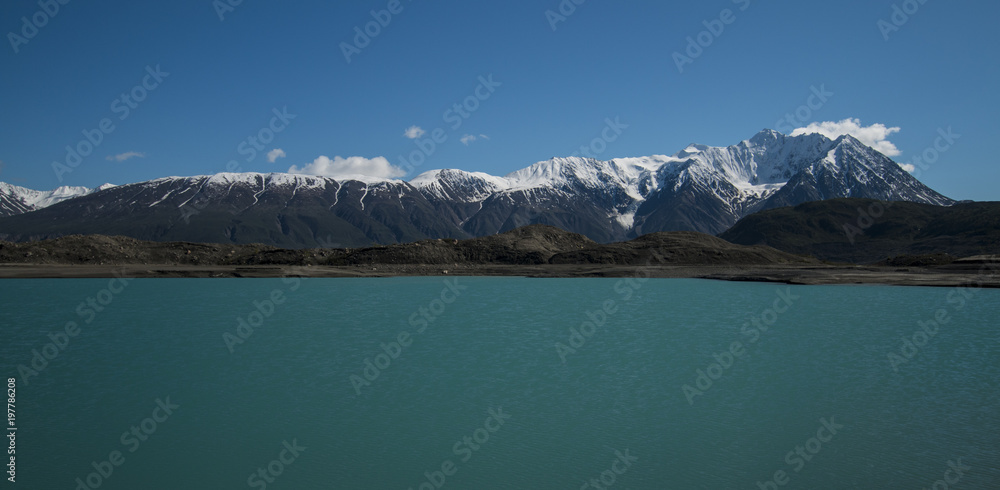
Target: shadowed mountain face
[[865, 230], [277, 209], [701, 188]]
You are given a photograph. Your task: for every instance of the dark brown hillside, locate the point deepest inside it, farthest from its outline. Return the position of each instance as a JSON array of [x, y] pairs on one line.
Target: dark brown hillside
[[825, 229], [529, 245]]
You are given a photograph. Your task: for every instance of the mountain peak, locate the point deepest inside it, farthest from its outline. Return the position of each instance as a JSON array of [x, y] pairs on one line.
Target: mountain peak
[[850, 142], [692, 149], [701, 188], [766, 136], [848, 138]]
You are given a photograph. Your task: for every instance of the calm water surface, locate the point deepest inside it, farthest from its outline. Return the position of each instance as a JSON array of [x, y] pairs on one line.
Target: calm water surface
[[481, 383]]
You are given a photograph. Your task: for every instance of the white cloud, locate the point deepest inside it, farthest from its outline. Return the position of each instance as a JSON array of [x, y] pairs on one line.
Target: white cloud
[[275, 154], [469, 138], [908, 167], [121, 157], [875, 136], [414, 132], [323, 166]]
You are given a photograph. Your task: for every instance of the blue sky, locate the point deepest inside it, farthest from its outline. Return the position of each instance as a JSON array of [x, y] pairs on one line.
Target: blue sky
[[552, 90]]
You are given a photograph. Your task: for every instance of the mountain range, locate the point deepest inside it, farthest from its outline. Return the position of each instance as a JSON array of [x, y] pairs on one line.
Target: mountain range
[[701, 188], [18, 200]]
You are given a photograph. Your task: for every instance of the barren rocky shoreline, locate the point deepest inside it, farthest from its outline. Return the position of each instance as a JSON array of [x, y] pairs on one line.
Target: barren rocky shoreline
[[972, 275], [533, 251]]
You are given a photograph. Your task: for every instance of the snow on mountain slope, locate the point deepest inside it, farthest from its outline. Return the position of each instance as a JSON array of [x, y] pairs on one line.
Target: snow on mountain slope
[[700, 188], [758, 166], [459, 184], [734, 181], [16, 200]]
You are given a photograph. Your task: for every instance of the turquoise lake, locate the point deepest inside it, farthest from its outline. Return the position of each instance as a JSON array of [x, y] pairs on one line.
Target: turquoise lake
[[499, 383]]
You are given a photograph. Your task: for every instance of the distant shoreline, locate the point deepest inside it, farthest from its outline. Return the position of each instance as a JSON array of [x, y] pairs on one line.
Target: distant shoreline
[[532, 251], [972, 275]]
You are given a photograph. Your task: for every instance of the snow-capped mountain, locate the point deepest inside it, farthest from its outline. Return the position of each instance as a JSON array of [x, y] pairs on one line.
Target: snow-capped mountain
[[17, 200], [700, 188]]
